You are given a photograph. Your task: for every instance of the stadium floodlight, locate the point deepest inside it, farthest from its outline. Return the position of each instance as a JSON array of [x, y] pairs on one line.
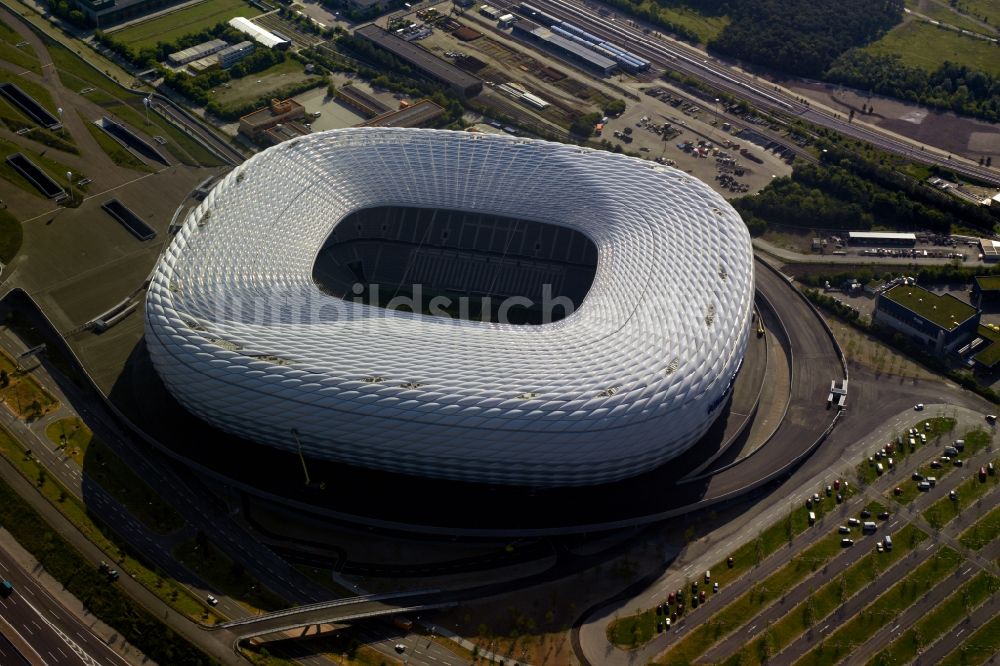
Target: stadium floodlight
[[243, 336]]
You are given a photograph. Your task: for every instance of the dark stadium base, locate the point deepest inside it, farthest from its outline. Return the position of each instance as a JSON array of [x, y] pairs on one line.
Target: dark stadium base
[[406, 504]]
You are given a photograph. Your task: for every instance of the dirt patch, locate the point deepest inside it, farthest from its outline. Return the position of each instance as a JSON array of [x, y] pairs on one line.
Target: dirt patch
[[467, 34], [967, 137]]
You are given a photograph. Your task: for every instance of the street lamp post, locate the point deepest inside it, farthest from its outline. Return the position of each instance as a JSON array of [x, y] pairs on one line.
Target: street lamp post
[[69, 179]]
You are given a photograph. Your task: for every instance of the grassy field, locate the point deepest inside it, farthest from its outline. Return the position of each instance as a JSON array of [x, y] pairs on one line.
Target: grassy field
[[210, 564], [926, 46], [11, 235], [105, 468], [706, 27], [77, 75], [939, 427], [940, 12], [36, 90], [55, 170], [640, 627], [247, 88], [22, 56], [22, 394], [190, 19], [978, 647], [827, 598], [760, 596], [983, 531], [885, 609], [968, 491], [117, 152], [176, 596], [984, 9], [974, 592]]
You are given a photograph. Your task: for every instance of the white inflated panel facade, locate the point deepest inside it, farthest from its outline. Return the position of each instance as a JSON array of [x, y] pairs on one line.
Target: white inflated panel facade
[[244, 338]]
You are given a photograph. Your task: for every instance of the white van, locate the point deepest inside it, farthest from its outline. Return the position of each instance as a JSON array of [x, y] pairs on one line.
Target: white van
[[812, 518]]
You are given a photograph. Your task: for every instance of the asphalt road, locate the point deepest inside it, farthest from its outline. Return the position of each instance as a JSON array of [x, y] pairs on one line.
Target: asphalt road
[[55, 634], [688, 60], [10, 655]]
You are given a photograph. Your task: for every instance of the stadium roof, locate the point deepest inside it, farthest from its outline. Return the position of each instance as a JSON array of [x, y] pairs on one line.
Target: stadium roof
[[243, 336], [945, 310]]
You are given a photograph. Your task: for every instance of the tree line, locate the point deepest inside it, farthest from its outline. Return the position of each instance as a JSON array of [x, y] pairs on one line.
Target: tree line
[[950, 87], [848, 191]]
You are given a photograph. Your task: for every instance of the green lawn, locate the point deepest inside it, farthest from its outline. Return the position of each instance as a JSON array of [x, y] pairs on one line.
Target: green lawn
[[101, 465], [176, 24], [11, 235], [943, 511], [974, 592], [210, 564], [77, 75], [978, 647], [247, 89], [984, 9], [827, 598], [54, 169], [926, 46], [22, 394], [885, 609], [117, 152], [706, 27], [760, 596], [941, 12], [22, 56], [36, 90], [983, 531]]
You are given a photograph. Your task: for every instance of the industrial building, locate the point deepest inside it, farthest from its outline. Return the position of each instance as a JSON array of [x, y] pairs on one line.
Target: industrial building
[[565, 48], [231, 55], [424, 61], [985, 290], [882, 238], [939, 323], [256, 123], [418, 114], [196, 52], [262, 36], [631, 380]]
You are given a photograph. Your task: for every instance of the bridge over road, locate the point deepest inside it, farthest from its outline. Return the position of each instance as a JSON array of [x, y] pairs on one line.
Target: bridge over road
[[337, 610]]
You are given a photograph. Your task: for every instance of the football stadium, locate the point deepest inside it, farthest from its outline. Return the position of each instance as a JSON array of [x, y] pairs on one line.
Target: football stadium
[[479, 308]]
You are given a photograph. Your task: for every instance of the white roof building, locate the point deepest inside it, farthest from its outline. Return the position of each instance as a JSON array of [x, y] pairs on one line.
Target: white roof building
[[243, 336], [258, 34]]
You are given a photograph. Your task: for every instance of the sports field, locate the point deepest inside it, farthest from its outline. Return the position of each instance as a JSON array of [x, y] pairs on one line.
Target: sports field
[[192, 18], [927, 46]]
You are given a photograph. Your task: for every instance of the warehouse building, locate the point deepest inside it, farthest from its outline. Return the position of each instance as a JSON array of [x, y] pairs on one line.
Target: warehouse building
[[231, 55], [565, 48], [882, 238], [264, 37], [104, 13], [418, 114], [424, 61], [942, 324], [196, 52], [985, 290]]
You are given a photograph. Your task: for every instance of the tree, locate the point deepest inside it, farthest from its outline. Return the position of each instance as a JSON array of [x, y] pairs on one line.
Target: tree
[[4, 379]]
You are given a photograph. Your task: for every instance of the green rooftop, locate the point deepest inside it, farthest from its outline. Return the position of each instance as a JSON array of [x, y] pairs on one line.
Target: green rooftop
[[991, 354], [988, 282], [945, 311]]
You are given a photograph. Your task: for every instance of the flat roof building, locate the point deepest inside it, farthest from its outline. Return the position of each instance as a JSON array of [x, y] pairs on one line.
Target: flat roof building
[[985, 289], [196, 52], [414, 115], [941, 323], [260, 35], [254, 124], [424, 61], [564, 48], [990, 249], [104, 13], [283, 132], [231, 55], [882, 238]]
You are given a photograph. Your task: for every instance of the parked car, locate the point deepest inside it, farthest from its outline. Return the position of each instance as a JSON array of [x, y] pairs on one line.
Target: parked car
[[919, 407], [844, 529], [865, 513], [883, 515], [952, 495], [845, 543], [212, 601]]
